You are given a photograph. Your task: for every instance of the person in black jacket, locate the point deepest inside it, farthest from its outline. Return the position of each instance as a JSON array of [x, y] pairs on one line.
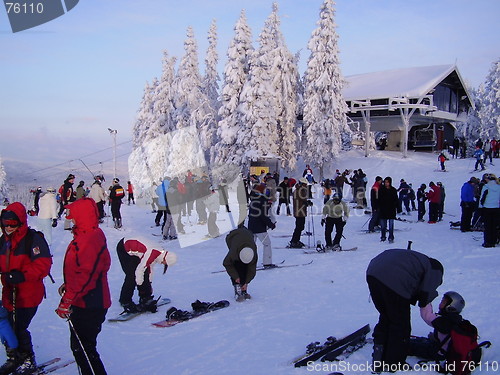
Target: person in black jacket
[[374, 201], [388, 205], [284, 192], [259, 221], [399, 278], [116, 195], [421, 198]]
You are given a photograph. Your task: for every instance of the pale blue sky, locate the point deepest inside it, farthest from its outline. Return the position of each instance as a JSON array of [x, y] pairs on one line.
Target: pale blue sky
[[65, 82]]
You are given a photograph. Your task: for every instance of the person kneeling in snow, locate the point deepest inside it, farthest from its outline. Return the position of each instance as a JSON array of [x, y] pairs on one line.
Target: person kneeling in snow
[[137, 259], [435, 346], [241, 260]]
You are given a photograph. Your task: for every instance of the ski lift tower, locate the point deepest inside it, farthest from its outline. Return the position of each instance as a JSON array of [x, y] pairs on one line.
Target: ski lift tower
[[113, 133]]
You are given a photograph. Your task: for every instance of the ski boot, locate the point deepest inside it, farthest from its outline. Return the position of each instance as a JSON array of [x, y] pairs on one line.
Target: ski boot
[[238, 295], [148, 304], [130, 308], [336, 247], [246, 295], [12, 362], [295, 245], [119, 222], [116, 223], [28, 364]]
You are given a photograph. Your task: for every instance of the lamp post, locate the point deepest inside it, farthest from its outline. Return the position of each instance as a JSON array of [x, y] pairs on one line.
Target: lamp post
[[113, 133]]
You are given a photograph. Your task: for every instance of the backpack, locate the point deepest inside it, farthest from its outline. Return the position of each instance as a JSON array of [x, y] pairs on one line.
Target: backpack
[[464, 353], [61, 190], [119, 192]]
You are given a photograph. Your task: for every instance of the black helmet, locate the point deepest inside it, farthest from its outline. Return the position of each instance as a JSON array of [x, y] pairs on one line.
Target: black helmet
[[457, 302]]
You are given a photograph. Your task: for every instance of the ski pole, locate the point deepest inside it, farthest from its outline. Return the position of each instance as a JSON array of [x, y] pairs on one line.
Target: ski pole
[[312, 221], [366, 222], [72, 328]]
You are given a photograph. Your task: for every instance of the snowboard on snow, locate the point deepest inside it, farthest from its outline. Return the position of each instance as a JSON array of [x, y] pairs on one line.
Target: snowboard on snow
[[175, 316], [124, 316], [332, 347]]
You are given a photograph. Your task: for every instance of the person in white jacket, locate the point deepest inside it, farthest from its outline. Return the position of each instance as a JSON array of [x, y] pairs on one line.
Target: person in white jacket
[[98, 194], [47, 215], [212, 205]]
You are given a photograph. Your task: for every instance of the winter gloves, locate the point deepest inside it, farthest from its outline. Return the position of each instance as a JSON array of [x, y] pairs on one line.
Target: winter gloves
[[64, 308]]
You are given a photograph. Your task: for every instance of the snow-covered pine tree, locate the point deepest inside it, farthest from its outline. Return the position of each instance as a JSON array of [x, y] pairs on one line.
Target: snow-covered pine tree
[[258, 107], [285, 80], [144, 116], [490, 104], [470, 129], [211, 89], [324, 109], [163, 102], [4, 188], [188, 89], [235, 75], [192, 111]]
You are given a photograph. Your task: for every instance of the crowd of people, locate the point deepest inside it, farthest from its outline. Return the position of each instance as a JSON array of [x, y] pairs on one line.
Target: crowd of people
[[86, 298]]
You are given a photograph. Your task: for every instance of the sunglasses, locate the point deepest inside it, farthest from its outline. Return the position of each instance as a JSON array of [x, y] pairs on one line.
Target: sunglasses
[[10, 223]]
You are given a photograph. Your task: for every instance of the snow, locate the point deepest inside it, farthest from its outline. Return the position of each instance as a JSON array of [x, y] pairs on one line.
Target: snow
[[410, 82], [291, 307]]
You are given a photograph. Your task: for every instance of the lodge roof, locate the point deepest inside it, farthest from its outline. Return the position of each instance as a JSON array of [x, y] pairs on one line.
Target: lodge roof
[[407, 82]]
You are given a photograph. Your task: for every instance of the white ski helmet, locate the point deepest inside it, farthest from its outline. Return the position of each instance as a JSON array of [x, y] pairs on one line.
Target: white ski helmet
[[457, 303], [246, 255]]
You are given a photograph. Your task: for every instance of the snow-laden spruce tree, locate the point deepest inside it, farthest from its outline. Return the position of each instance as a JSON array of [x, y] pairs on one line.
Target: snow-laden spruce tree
[[4, 191], [324, 106], [210, 87], [490, 104], [192, 109], [470, 129], [163, 101], [145, 116], [285, 80], [258, 110], [234, 77]]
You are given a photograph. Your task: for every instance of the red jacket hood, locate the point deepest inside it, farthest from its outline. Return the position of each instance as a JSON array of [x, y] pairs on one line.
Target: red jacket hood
[[85, 213], [20, 212]]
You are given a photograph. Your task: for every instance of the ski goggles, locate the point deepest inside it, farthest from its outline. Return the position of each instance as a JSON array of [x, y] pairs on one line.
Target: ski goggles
[[10, 223]]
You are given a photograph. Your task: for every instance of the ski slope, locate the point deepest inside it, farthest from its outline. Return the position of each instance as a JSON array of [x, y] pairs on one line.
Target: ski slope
[[291, 307]]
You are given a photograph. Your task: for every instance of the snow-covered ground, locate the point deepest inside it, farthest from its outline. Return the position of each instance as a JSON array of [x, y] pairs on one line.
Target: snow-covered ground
[[291, 307]]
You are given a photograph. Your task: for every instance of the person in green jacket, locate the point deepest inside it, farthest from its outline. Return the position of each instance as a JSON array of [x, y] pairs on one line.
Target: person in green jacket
[[241, 260], [335, 214]]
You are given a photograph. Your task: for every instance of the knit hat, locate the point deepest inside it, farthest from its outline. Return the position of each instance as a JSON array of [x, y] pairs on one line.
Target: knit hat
[[51, 190], [246, 255], [70, 176]]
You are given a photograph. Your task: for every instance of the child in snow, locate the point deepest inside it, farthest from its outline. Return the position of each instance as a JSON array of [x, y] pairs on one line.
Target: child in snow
[[137, 259], [442, 158], [434, 346], [241, 260]]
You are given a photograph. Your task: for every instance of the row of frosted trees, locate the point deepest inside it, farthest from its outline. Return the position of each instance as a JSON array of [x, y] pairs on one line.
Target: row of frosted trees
[[254, 113]]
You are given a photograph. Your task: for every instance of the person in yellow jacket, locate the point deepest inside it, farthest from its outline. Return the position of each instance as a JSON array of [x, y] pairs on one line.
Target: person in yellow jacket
[[335, 214]]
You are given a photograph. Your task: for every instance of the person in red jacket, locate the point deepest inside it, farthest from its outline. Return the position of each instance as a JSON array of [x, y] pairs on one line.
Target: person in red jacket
[[137, 259], [85, 292], [25, 260], [434, 198]]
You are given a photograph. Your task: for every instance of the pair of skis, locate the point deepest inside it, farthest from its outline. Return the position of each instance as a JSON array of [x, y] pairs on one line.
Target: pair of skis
[[51, 365], [333, 348]]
